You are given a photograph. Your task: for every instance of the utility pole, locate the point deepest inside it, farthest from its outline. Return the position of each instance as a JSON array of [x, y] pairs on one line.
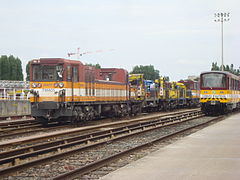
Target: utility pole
[[222, 17]]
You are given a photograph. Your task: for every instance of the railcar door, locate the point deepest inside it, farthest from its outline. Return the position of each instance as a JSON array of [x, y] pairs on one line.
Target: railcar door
[[74, 81], [70, 90], [72, 78]]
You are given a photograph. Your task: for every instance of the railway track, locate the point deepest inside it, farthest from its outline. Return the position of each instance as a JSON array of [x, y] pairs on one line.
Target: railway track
[[30, 130], [13, 128], [10, 124], [29, 156], [16, 129], [25, 127], [92, 126], [3, 118], [123, 156]]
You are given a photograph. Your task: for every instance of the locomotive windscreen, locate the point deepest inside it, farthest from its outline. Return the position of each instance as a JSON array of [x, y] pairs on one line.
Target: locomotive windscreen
[[47, 72], [213, 80]]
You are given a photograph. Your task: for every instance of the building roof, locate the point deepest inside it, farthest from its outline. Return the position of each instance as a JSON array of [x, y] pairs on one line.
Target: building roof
[[14, 84]]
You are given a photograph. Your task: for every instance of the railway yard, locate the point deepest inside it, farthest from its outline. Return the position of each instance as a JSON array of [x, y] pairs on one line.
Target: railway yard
[[92, 150], [86, 123], [115, 90]]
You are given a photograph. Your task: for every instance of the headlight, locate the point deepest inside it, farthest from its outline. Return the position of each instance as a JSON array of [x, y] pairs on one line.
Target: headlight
[[39, 85], [34, 85], [55, 85], [61, 85]]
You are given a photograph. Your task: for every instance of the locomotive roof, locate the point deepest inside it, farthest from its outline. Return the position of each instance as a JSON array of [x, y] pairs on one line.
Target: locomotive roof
[[55, 60], [222, 72]]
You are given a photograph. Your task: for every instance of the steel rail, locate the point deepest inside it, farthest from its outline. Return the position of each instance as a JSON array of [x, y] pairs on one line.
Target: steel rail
[[3, 118], [34, 150], [91, 145], [103, 162], [18, 128], [41, 129], [87, 128], [16, 123]]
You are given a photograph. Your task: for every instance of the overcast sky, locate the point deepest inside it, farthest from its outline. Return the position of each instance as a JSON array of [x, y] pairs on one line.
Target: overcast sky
[[178, 37]]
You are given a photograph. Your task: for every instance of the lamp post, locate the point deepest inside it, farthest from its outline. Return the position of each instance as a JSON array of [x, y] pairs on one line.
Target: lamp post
[[221, 17]]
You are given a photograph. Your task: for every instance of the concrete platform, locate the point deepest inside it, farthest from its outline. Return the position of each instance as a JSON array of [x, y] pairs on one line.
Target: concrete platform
[[211, 153]]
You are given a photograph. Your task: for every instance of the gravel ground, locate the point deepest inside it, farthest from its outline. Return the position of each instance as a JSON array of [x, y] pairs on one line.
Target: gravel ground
[[55, 168], [48, 130]]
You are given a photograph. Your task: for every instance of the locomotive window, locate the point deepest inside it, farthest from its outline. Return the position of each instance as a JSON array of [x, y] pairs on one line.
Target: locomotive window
[[45, 73], [136, 82], [75, 74], [194, 85], [232, 84], [59, 70], [69, 73], [214, 80]]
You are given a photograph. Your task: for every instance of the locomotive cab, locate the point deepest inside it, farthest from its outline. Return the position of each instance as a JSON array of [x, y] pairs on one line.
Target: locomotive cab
[[219, 91], [51, 82]]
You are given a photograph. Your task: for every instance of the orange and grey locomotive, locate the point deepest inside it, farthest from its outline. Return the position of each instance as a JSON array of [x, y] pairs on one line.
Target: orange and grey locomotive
[[66, 89]]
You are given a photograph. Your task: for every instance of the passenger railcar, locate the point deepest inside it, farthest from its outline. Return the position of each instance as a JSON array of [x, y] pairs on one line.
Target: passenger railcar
[[220, 92]]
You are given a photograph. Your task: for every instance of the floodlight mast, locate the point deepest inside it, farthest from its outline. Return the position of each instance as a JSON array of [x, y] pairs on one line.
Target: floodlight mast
[[222, 17]]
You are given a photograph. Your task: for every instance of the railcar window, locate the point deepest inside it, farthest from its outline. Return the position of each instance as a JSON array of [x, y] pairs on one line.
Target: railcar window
[[45, 73], [195, 84], [59, 70], [236, 84], [69, 73], [75, 74], [134, 82], [214, 80]]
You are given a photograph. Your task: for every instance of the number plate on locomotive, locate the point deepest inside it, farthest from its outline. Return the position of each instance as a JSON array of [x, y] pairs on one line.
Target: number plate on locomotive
[[48, 90], [213, 102]]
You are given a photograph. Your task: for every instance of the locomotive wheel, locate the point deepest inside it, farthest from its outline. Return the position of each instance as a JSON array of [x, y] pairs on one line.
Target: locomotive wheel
[[75, 117], [60, 120], [89, 113], [42, 120]]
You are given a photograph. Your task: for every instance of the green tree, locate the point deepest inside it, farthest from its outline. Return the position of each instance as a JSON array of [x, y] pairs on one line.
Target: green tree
[[97, 66], [228, 68], [149, 72], [10, 68], [231, 68], [238, 71], [13, 70], [27, 71], [19, 70], [215, 67], [167, 78], [5, 68]]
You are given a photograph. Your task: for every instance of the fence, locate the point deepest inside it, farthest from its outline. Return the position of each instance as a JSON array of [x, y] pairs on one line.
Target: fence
[[14, 90], [14, 94], [14, 108]]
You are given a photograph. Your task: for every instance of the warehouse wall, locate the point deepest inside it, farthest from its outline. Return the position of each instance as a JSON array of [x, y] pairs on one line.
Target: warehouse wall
[[14, 108]]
